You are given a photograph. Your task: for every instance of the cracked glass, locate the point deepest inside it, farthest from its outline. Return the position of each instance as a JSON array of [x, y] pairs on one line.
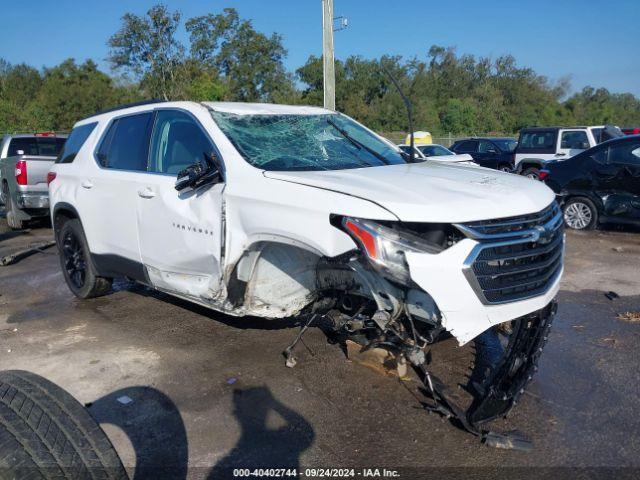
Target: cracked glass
[[305, 142]]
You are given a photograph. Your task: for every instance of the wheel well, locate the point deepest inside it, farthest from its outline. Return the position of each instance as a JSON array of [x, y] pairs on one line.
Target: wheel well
[[283, 273], [596, 203], [62, 214], [526, 165]]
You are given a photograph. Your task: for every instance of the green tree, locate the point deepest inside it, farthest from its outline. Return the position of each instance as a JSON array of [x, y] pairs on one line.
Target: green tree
[[147, 49], [460, 117], [599, 106], [250, 62], [70, 92]]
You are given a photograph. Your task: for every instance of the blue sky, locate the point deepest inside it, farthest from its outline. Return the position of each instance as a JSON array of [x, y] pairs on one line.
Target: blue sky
[[594, 42]]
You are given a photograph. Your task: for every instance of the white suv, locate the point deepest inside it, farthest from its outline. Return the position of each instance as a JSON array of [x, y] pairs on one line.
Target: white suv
[[282, 211]]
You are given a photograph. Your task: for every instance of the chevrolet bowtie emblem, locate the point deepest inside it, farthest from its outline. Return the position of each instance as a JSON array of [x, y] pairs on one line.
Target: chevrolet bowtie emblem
[[544, 234]]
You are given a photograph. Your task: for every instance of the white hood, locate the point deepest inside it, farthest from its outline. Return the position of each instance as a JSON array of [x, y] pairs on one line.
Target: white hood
[[458, 158], [432, 191]]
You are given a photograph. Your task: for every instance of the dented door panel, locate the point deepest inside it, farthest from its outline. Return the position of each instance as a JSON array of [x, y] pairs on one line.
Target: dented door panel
[[180, 236]]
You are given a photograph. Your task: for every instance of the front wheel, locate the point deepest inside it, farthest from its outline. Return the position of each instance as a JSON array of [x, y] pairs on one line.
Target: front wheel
[[580, 214], [75, 260]]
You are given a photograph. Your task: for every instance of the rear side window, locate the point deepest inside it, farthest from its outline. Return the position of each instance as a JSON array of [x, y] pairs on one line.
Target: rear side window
[[574, 140], [538, 141], [125, 146], [597, 134], [74, 142], [486, 147], [625, 154], [37, 146], [468, 146]]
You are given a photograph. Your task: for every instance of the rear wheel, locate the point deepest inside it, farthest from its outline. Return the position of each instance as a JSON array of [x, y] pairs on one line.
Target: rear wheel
[[505, 168], [532, 172], [580, 214], [75, 259]]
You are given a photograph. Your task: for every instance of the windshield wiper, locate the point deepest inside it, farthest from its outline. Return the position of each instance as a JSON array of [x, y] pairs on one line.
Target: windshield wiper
[[356, 143]]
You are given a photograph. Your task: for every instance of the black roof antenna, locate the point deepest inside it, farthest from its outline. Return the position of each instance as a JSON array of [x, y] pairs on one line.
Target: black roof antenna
[[407, 104]]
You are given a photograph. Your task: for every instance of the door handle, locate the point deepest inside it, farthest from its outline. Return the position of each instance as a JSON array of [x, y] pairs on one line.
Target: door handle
[[560, 154], [146, 193], [87, 184]]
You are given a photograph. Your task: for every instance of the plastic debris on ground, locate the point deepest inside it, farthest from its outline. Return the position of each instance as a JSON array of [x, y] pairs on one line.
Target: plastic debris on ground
[[125, 400]]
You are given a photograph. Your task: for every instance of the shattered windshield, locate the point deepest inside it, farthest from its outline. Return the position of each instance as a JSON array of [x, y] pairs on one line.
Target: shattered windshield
[[305, 142]]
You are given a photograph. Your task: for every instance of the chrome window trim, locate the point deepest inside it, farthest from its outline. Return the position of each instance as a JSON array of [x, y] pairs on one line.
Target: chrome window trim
[[153, 112]]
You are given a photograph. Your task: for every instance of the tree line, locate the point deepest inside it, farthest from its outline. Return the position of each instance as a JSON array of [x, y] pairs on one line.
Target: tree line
[[226, 58]]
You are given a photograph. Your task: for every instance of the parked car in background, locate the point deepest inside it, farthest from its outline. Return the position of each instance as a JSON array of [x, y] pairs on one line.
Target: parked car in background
[[538, 145], [278, 211], [25, 160], [438, 153], [599, 185], [496, 153], [631, 131]]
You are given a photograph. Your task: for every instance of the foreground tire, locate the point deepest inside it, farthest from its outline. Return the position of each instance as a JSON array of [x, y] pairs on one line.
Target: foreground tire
[[75, 260], [532, 172], [580, 213], [46, 433]]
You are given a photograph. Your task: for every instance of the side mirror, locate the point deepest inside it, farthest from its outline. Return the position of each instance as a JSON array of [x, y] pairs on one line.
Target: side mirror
[[199, 174], [584, 145]]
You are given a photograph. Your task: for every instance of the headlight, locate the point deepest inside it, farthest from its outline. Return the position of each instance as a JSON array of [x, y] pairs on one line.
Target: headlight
[[385, 247]]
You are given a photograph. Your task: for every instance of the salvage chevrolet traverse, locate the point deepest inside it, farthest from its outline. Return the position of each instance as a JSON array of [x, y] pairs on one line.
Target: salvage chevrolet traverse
[[287, 211]]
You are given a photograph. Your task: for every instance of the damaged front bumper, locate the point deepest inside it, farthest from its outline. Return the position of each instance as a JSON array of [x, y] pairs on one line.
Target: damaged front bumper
[[462, 310], [503, 386], [491, 278]]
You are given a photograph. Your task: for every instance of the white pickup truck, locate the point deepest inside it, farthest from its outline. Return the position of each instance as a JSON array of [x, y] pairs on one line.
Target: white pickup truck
[[25, 160], [537, 145]]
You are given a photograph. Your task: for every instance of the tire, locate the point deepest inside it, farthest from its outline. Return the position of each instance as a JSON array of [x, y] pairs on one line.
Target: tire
[[13, 222], [75, 259], [580, 213], [505, 168], [46, 433], [531, 172]]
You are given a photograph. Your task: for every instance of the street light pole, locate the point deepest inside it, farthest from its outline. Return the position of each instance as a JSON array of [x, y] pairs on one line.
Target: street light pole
[[328, 64]]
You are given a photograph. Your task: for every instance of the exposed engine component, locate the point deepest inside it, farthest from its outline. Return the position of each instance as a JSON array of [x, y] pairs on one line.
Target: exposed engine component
[[375, 313]]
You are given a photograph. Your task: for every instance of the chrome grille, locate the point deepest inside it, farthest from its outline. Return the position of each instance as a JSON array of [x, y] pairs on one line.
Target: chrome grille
[[517, 258]]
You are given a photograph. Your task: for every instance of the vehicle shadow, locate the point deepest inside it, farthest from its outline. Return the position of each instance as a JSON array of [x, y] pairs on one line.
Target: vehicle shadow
[[272, 434], [618, 227], [262, 446], [154, 426], [242, 323]]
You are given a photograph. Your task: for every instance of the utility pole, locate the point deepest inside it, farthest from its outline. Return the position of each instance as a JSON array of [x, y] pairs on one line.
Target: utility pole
[[328, 63]]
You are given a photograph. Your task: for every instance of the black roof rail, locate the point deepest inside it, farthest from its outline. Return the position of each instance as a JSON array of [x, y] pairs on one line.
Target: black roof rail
[[127, 105]]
